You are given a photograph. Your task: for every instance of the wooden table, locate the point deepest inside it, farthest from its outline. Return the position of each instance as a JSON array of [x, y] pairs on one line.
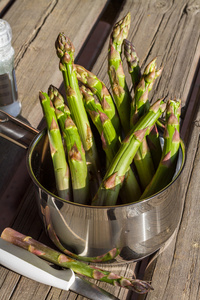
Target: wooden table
[[166, 29]]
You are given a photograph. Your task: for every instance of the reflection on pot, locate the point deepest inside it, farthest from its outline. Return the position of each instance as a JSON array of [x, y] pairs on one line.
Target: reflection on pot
[[117, 234]]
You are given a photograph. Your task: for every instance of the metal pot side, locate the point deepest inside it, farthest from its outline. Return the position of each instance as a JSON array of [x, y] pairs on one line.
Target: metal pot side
[[114, 234]]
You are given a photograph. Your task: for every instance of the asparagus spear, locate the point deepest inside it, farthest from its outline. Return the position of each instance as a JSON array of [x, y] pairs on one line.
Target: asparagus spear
[[100, 90], [131, 189], [154, 145], [109, 137], [144, 164], [60, 259], [166, 168], [56, 98], [143, 159], [140, 103], [115, 70], [75, 151], [65, 51], [133, 62], [109, 189], [61, 169]]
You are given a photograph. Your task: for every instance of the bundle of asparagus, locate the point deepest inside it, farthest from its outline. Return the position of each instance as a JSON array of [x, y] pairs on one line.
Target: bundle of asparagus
[[134, 163]]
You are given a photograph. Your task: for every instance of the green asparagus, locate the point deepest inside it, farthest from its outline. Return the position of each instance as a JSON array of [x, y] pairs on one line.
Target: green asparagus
[[133, 62], [140, 104], [100, 90], [119, 87], [144, 164], [75, 151], [110, 142], [166, 168], [60, 259], [109, 189], [154, 145], [61, 169], [109, 137], [65, 51]]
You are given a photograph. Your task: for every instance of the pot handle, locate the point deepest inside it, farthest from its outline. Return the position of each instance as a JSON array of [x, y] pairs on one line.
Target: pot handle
[[16, 131]]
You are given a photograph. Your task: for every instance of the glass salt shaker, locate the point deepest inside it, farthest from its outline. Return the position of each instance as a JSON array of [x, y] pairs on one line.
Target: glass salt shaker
[[8, 88]]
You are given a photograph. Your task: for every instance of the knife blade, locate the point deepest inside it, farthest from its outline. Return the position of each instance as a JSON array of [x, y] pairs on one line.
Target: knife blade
[[90, 290], [29, 265]]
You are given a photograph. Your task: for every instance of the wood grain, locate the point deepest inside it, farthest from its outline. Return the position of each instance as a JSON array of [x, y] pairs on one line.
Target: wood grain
[[3, 6]]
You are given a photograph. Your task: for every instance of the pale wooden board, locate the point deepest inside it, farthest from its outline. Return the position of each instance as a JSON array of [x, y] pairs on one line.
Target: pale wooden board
[[3, 4]]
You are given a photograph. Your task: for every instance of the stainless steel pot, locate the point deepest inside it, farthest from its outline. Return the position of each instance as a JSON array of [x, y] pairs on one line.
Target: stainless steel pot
[[114, 234]]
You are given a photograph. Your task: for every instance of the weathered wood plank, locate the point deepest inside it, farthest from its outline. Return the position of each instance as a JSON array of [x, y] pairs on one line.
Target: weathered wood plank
[[158, 29], [3, 5]]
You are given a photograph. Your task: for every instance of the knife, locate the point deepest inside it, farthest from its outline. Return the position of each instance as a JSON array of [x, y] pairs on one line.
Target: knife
[[29, 265]]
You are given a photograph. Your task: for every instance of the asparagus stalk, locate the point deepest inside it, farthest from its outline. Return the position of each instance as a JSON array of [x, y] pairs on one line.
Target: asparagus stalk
[[144, 164], [154, 145], [140, 103], [109, 137], [100, 90], [131, 189], [60, 259], [65, 51], [75, 151], [143, 159], [57, 99], [61, 169], [115, 70], [109, 189], [166, 168], [133, 62]]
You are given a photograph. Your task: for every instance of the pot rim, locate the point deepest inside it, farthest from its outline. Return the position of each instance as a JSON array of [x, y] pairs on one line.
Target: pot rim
[[36, 140]]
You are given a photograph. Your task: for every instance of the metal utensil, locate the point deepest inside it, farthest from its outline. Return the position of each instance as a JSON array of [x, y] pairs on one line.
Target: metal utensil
[[29, 265]]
